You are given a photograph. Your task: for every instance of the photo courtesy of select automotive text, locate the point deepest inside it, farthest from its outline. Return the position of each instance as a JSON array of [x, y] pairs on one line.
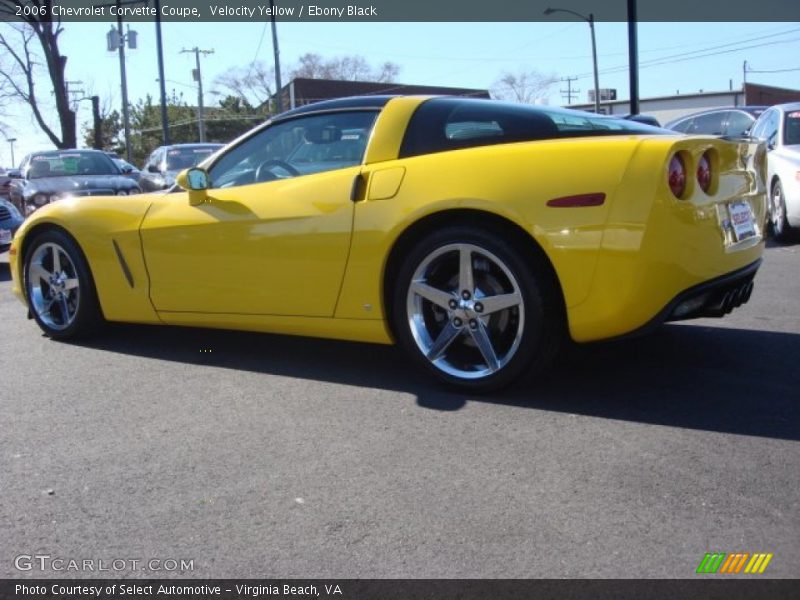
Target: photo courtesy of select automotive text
[[420, 300]]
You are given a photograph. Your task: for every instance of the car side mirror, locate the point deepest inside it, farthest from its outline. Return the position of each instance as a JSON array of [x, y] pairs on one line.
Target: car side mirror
[[152, 169], [194, 181], [127, 170]]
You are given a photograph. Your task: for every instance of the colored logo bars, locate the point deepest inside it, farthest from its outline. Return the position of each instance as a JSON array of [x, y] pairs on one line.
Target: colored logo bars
[[716, 562]]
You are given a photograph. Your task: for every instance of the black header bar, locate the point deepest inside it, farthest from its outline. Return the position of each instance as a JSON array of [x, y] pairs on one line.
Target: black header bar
[[188, 11]]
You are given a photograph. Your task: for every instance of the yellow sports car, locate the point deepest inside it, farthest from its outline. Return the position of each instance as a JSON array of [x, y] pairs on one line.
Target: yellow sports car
[[477, 234]]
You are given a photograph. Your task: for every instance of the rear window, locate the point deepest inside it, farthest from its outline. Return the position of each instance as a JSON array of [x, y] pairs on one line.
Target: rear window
[[443, 124]]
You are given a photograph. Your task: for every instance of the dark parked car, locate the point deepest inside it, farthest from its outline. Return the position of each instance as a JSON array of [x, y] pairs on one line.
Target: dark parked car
[[50, 176], [10, 220], [735, 121], [646, 119], [166, 162], [126, 168], [5, 183]]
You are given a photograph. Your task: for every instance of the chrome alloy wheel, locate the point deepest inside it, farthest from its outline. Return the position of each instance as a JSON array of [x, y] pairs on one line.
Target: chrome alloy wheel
[[778, 216], [53, 286], [465, 311]]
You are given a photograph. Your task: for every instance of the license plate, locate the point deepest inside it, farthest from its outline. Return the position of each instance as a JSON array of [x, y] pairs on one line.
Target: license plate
[[742, 220], [5, 236]]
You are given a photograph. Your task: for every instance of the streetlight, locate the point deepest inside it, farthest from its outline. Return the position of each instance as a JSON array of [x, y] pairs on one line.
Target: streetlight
[[590, 21], [11, 143]]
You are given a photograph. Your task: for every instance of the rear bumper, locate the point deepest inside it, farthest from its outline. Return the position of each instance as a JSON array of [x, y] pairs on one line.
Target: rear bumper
[[714, 298]]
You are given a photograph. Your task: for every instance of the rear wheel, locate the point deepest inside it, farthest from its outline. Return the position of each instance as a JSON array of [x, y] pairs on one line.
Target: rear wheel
[[59, 286], [474, 310]]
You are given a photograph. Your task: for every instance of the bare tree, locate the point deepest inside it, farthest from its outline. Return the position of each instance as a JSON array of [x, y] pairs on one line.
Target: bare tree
[[524, 86], [19, 64], [253, 84], [349, 68]]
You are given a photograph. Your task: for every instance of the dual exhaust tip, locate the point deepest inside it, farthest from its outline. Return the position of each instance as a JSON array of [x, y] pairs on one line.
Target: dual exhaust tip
[[734, 298]]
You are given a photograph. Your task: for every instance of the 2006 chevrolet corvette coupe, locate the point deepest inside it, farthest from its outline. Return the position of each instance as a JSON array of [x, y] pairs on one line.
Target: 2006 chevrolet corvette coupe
[[476, 234]]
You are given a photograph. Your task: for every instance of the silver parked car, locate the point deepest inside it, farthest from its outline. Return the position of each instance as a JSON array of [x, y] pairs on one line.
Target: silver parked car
[[779, 126], [733, 121]]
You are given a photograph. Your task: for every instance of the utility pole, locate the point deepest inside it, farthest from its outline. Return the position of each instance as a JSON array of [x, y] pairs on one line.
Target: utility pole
[[198, 77], [569, 93], [278, 95], [97, 143], [744, 84], [70, 92], [116, 40], [11, 143], [633, 56], [162, 82]]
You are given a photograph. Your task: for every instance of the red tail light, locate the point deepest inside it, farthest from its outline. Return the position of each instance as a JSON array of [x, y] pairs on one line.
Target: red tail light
[[704, 172], [677, 175]]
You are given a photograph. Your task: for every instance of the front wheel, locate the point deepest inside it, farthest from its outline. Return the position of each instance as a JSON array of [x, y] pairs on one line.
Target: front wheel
[[476, 311], [59, 286], [778, 218]]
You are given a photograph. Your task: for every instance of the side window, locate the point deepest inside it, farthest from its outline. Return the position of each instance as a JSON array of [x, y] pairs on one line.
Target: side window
[[682, 126], [710, 124], [152, 159], [766, 127], [301, 146], [161, 155], [739, 123], [758, 127]]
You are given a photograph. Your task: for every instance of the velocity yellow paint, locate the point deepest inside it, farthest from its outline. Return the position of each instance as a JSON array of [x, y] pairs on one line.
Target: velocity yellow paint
[[273, 248], [96, 222], [385, 183], [387, 135], [655, 246]]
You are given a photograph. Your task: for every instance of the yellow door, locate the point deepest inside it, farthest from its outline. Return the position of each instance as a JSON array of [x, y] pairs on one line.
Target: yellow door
[[272, 248]]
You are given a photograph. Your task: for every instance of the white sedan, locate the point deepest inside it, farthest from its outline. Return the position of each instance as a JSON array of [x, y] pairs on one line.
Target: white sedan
[[779, 126]]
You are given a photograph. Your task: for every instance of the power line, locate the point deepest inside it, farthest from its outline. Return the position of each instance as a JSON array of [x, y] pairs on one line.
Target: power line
[[773, 70], [688, 56], [258, 49]]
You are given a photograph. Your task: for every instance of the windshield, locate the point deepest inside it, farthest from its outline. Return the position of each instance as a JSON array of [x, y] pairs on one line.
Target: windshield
[[65, 164], [183, 158], [791, 136]]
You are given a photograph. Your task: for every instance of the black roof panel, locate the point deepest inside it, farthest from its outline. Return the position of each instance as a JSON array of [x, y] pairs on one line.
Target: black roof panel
[[363, 102]]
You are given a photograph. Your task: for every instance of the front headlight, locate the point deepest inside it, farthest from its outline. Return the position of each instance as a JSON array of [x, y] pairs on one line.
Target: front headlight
[[122, 193], [40, 199]]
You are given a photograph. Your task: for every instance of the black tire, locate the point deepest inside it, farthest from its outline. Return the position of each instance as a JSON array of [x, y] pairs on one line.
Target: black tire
[[514, 304], [779, 223], [61, 295]]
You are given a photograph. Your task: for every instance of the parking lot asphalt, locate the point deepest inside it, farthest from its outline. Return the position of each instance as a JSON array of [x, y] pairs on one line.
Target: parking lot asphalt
[[269, 456]]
